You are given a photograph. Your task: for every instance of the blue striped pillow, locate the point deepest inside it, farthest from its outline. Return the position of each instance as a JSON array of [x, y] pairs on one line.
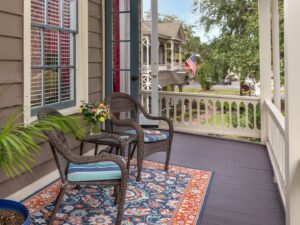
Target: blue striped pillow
[[94, 171], [148, 138]]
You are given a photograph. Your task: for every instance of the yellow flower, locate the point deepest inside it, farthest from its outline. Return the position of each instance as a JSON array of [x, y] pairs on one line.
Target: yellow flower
[[101, 119], [101, 105]]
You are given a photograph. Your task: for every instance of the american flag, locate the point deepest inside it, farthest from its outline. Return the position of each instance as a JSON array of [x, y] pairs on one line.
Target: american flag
[[192, 63]]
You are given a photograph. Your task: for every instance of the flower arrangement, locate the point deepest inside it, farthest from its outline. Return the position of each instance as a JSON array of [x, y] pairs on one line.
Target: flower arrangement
[[95, 114]]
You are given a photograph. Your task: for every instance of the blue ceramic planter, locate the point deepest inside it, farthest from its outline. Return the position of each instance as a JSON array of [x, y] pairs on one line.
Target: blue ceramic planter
[[16, 206]]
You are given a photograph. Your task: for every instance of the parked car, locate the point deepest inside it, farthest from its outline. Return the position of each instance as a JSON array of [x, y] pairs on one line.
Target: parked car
[[227, 81], [250, 83]]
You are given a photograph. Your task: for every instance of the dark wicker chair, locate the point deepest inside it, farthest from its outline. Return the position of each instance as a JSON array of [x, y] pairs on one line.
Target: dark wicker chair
[[125, 116], [64, 157]]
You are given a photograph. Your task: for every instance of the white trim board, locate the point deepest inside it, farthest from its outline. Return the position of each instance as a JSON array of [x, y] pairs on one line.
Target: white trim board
[[37, 185], [103, 49], [34, 187]]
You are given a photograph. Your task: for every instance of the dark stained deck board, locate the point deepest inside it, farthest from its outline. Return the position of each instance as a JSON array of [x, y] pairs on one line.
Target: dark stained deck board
[[242, 191]]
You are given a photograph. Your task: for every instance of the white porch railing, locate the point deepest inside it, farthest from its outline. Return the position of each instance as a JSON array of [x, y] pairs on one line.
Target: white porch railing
[[226, 115], [276, 146], [163, 67], [146, 81], [209, 114]]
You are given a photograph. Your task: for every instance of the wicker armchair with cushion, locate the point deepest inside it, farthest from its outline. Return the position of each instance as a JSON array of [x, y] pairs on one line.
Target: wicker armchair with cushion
[[125, 119], [101, 169]]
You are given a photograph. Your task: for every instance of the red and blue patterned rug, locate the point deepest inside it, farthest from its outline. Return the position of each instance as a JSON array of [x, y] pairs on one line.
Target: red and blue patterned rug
[[176, 197]]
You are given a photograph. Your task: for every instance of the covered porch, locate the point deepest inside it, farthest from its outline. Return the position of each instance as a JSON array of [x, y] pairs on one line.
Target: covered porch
[[242, 190], [253, 183]]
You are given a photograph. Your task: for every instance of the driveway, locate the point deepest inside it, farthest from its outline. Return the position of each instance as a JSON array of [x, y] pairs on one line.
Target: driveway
[[234, 86]]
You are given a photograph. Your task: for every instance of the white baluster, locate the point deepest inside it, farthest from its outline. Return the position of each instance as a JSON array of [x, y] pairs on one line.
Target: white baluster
[[230, 114], [206, 111], [222, 114], [175, 110], [168, 106], [238, 114], [247, 114], [191, 111], [214, 103], [255, 115], [198, 112], [183, 110]]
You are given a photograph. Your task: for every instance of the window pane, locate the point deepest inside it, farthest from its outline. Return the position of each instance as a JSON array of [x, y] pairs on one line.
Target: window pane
[[66, 49], [36, 88], [36, 46], [51, 48], [51, 86], [69, 14], [124, 5], [67, 79], [54, 12], [121, 55], [121, 5], [121, 26], [38, 11]]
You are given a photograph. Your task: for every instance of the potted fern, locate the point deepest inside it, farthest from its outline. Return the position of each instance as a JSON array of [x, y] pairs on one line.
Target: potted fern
[[18, 146]]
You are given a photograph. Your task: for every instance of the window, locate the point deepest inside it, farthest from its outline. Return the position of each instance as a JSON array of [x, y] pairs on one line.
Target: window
[[53, 37]]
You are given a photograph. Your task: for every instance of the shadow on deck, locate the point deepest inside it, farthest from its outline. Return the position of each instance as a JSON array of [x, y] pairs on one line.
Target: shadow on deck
[[242, 191]]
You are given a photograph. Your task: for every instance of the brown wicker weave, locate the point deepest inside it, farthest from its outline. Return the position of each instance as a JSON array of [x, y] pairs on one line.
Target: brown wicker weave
[[63, 156], [125, 115]]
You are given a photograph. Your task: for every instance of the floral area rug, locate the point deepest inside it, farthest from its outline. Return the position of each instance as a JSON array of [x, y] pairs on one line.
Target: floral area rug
[[176, 197]]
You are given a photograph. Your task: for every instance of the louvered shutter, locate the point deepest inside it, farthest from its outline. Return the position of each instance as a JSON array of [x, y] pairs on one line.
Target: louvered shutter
[[53, 33]]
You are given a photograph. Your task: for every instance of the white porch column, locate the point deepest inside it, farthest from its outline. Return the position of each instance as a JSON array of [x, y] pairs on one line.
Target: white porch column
[[166, 53], [264, 8], [148, 53], [172, 55], [154, 58], [276, 54], [180, 55], [292, 81]]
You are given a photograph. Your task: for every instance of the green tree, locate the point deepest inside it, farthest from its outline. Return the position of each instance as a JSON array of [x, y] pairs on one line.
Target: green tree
[[236, 49], [205, 73], [192, 41]]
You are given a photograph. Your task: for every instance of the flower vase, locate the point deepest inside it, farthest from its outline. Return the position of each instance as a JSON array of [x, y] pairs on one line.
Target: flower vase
[[95, 128]]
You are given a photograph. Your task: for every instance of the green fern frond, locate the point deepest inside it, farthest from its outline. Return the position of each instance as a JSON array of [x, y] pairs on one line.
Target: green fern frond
[[19, 143]]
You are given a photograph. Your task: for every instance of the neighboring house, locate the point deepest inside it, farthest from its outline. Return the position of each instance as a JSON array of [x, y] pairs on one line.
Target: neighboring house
[[171, 38]]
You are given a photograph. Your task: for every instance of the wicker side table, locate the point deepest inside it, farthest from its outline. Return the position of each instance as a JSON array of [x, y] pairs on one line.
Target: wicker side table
[[114, 141]]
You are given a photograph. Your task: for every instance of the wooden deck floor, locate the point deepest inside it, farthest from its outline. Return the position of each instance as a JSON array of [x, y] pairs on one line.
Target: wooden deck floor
[[242, 191]]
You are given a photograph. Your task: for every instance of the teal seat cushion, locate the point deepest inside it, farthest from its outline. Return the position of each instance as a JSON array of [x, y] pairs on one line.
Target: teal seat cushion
[[94, 171], [150, 138]]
